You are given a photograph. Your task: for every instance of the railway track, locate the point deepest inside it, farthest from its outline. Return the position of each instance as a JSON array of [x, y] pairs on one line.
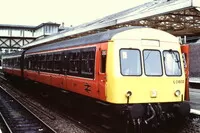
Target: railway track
[[18, 118], [73, 124], [67, 114]]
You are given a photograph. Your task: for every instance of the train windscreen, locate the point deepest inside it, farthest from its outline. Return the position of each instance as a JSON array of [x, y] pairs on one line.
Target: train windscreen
[[130, 60], [172, 63]]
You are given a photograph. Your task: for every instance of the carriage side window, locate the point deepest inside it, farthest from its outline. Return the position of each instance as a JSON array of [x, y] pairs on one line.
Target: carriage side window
[[57, 62], [10, 62], [152, 62], [14, 62], [26, 65], [42, 62], [49, 59], [31, 65], [25, 62], [18, 62], [7, 62], [3, 62], [172, 63], [74, 62], [34, 62], [103, 61], [88, 62], [28, 62], [65, 63], [130, 62]]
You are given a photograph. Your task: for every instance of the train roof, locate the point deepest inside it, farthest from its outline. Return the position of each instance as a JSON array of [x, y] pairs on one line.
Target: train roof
[[132, 32], [12, 55], [94, 38]]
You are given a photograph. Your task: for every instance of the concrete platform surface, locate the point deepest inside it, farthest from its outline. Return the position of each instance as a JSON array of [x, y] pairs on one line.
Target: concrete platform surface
[[195, 100], [194, 79]]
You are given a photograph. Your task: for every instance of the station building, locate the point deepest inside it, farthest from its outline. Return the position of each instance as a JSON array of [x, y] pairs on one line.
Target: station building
[[13, 37]]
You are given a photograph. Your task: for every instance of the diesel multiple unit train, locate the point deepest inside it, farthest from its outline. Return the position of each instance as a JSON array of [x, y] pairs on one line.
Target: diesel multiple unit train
[[133, 69]]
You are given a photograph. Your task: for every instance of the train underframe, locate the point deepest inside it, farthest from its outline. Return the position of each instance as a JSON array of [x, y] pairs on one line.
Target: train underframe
[[151, 112], [129, 115]]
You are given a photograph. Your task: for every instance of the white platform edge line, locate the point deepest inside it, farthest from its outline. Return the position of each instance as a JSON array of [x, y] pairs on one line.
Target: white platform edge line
[[194, 111]]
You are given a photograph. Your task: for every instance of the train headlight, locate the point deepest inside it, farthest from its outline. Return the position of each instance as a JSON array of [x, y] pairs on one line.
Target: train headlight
[[177, 93]]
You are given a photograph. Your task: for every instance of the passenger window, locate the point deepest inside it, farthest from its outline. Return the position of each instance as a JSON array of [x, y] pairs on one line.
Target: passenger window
[[25, 63], [103, 61], [43, 62], [74, 62], [88, 62], [49, 62], [35, 62], [65, 62], [29, 63], [57, 62]]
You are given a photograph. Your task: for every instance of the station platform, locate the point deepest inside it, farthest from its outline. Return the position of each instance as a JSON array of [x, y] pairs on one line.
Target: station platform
[[195, 101], [194, 79]]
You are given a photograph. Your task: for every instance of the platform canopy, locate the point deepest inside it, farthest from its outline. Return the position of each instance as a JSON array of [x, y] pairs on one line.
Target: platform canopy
[[178, 17]]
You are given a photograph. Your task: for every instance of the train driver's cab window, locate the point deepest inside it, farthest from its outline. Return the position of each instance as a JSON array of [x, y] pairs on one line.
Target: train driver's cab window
[[130, 62], [172, 63], [152, 63], [103, 61]]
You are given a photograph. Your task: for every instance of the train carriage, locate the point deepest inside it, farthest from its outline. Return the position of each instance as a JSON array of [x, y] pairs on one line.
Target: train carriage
[[138, 68], [12, 64]]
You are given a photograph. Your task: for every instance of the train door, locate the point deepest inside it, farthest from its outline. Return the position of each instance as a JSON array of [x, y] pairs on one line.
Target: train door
[[185, 53], [102, 70]]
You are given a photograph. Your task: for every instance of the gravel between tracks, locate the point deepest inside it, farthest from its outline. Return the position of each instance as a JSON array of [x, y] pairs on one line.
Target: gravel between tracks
[[56, 121]]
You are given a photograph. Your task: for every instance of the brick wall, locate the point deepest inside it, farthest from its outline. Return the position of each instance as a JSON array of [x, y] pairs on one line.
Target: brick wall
[[194, 60]]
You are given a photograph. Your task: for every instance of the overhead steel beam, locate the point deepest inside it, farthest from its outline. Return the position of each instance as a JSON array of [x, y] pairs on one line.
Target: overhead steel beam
[[179, 17]]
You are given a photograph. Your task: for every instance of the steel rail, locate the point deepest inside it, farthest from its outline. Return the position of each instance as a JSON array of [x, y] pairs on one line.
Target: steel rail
[[28, 110]]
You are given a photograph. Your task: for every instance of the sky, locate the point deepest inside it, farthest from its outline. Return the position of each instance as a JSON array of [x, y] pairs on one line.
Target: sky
[[69, 12]]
